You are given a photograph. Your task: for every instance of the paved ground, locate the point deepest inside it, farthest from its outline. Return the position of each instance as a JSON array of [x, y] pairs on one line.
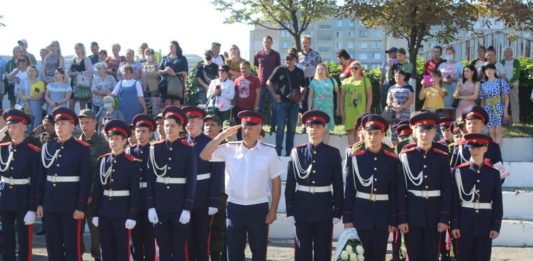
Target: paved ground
[[281, 250]]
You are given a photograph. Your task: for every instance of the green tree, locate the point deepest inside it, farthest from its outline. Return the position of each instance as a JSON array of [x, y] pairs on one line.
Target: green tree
[[293, 16]]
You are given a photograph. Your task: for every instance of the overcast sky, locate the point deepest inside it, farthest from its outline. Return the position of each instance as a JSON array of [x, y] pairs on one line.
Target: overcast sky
[[194, 24]]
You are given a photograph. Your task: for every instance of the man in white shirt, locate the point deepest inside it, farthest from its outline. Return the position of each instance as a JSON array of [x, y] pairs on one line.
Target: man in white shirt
[[251, 169]]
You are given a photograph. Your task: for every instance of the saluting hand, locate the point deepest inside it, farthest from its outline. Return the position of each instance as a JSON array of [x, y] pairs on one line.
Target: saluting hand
[[230, 131]]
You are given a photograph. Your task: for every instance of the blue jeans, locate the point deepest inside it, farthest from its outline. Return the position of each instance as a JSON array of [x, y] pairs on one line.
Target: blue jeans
[[286, 114]]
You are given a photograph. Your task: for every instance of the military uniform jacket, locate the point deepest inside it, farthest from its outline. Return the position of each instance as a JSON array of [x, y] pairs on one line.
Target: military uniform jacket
[[382, 169], [461, 154], [142, 153], [488, 189], [124, 170], [207, 190], [431, 173], [172, 160], [326, 171], [73, 159], [23, 164]]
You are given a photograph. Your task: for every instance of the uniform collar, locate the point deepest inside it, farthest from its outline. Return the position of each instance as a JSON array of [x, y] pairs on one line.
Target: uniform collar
[[257, 146], [310, 147]]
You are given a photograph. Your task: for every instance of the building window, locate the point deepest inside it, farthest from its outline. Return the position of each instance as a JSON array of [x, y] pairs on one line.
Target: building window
[[376, 45], [364, 45], [376, 33], [285, 45], [339, 45], [339, 23], [350, 34], [350, 45], [377, 56], [363, 33], [338, 34], [363, 56]]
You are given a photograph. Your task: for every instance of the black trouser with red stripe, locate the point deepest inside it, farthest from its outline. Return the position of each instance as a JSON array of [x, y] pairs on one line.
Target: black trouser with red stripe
[[374, 242], [474, 248], [63, 236], [11, 222], [199, 235], [313, 241], [114, 239], [143, 238], [171, 236], [422, 243]]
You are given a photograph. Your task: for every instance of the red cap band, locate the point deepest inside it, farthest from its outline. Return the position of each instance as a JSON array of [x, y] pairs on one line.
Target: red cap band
[[251, 119], [405, 132], [376, 123], [145, 122], [177, 115], [66, 116], [476, 115], [18, 118], [425, 122], [477, 141], [195, 114], [119, 130], [316, 118]]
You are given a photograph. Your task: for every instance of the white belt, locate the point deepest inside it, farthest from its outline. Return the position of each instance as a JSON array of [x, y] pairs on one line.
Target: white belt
[[143, 184], [425, 193], [203, 176], [116, 193], [314, 189], [55, 179], [476, 205], [12, 181], [167, 180], [372, 197]]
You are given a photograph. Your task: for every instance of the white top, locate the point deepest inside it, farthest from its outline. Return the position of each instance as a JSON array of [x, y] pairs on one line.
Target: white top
[[508, 68], [218, 60], [248, 171], [24, 81], [223, 102], [129, 84]]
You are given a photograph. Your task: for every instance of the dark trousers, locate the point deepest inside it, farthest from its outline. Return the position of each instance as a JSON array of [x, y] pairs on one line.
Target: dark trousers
[[114, 239], [218, 232], [199, 235], [422, 243], [247, 222], [171, 237], [95, 238], [374, 242], [396, 246], [13, 224], [313, 240], [63, 236], [143, 238], [474, 248]]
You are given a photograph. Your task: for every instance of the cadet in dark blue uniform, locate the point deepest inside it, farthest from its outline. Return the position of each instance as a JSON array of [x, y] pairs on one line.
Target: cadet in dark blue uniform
[[313, 194], [20, 168], [64, 189], [475, 118], [143, 233], [447, 136], [207, 195], [424, 196], [477, 210], [171, 187], [369, 201], [116, 194]]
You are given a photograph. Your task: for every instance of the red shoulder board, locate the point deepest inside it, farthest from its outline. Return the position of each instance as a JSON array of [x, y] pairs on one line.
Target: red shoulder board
[[390, 153], [83, 143], [359, 152], [158, 142], [104, 155], [488, 162], [464, 164], [440, 152], [301, 145], [408, 148], [184, 142], [460, 142], [130, 157], [34, 148], [5, 143]]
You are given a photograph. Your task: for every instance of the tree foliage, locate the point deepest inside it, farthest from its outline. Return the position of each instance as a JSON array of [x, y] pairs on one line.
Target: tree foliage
[[293, 16]]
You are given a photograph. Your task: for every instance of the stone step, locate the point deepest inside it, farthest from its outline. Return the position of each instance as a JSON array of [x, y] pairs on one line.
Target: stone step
[[513, 149], [513, 233]]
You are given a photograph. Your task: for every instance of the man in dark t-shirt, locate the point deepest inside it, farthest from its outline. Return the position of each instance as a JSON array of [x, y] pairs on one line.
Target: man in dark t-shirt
[[205, 73], [283, 80], [266, 60]]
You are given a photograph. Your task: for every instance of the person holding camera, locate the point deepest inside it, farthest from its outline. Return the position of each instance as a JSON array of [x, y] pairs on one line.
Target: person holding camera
[[221, 92]]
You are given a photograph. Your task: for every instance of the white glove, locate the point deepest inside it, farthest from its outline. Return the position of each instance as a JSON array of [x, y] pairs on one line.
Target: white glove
[[95, 221], [503, 172], [291, 219], [211, 211], [185, 217], [130, 223], [152, 216], [336, 220], [29, 218]]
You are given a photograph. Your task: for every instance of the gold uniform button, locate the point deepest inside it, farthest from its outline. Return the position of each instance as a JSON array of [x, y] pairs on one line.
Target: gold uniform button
[[112, 180], [426, 187], [170, 149], [314, 171], [313, 182], [425, 176], [113, 170], [477, 211], [478, 181], [375, 168], [375, 179], [168, 187], [54, 184], [57, 165], [314, 161], [114, 161], [314, 152], [425, 156], [478, 171], [59, 155], [168, 167], [169, 158], [375, 189], [11, 168], [375, 158], [425, 166]]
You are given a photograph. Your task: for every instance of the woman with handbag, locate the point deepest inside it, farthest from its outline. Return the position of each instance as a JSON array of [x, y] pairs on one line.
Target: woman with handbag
[[130, 95], [399, 99], [175, 72], [356, 99], [150, 81], [58, 92], [494, 97], [81, 73], [467, 91]]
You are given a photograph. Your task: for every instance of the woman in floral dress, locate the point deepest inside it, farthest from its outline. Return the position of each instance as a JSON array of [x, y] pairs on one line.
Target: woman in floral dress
[[321, 93], [494, 96]]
